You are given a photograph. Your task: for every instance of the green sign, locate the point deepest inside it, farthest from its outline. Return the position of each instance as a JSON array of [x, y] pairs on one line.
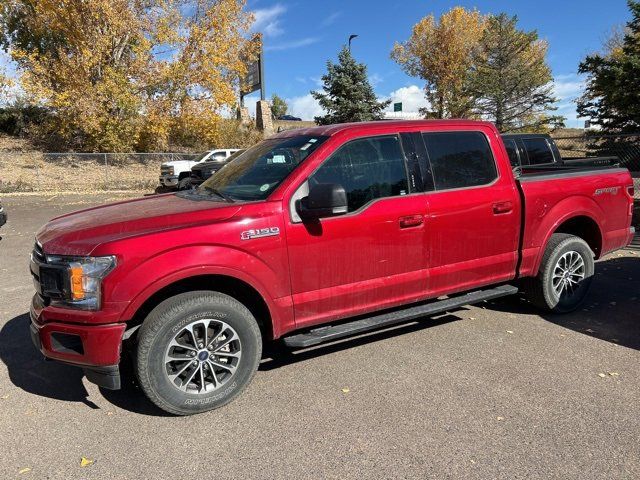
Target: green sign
[[397, 107]]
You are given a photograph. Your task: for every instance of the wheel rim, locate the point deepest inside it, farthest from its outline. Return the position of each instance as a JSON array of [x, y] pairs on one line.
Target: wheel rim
[[569, 271], [203, 356]]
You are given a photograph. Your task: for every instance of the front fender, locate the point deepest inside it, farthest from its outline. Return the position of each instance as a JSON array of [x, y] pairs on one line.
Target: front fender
[[181, 263]]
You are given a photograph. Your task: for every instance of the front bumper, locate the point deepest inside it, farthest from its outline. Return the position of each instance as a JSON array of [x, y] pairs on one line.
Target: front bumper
[[96, 348], [169, 180]]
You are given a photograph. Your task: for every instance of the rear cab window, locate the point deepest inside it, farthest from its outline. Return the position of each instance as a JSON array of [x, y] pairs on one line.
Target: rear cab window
[[538, 151], [460, 159]]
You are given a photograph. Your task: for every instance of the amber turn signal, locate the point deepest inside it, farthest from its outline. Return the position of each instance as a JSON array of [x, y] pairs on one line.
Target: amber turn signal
[[75, 276]]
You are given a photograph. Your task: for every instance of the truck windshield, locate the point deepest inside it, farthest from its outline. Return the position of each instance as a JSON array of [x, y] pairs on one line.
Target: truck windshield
[[254, 174]]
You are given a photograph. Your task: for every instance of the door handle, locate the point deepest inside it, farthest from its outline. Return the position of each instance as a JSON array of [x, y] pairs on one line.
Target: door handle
[[409, 221], [500, 208]]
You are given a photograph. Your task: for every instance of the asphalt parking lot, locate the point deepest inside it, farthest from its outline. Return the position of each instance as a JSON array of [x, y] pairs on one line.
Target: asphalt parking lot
[[493, 391]]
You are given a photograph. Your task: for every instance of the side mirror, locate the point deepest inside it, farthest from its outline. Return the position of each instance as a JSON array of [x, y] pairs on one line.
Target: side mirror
[[324, 200]]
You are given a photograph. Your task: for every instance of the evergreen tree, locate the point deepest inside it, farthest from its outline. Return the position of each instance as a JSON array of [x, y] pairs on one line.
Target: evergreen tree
[[278, 106], [510, 80], [612, 96], [348, 95]]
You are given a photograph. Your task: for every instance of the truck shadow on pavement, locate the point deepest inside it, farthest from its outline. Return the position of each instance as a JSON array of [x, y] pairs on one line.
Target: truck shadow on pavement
[[29, 371], [611, 313]]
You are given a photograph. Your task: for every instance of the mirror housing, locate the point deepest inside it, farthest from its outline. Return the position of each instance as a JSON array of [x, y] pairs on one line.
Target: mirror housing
[[324, 200]]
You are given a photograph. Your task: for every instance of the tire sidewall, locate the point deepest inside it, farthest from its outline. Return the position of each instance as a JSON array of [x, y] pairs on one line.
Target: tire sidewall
[[151, 359], [552, 299]]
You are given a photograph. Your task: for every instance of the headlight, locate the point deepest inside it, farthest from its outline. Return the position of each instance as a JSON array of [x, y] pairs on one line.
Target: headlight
[[83, 280]]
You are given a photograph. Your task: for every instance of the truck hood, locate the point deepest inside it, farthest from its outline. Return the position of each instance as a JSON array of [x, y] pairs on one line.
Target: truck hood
[[79, 233], [180, 164]]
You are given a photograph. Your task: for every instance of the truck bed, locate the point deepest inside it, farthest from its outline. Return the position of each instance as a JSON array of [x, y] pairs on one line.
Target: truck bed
[[597, 195], [527, 173]]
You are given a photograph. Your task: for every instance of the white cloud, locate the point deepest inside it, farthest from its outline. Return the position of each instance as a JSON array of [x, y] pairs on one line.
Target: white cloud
[[303, 42], [412, 98], [267, 20], [330, 19], [305, 107], [376, 79], [568, 88]]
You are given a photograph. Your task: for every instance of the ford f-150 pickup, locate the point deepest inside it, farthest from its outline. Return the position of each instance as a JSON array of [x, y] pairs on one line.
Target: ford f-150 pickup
[[310, 236]]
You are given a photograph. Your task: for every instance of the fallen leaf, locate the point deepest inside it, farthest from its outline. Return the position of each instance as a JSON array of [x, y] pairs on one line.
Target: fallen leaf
[[4, 397], [24, 470], [588, 330], [472, 318], [500, 418], [345, 390], [601, 375], [614, 374], [85, 462], [509, 331], [109, 413], [612, 303]]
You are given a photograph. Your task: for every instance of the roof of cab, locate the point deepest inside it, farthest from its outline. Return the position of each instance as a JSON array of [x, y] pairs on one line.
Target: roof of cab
[[328, 130]]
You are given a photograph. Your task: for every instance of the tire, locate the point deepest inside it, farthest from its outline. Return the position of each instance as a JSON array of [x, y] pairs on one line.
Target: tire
[[164, 363], [184, 184], [562, 254]]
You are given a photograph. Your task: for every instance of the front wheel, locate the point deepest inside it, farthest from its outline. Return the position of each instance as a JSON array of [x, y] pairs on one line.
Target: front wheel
[[565, 275], [184, 184], [197, 351]]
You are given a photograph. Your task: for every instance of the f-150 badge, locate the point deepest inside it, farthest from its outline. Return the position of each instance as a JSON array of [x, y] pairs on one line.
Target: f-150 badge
[[259, 233]]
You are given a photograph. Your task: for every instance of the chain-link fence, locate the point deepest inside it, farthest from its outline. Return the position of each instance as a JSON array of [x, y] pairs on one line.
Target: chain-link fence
[[54, 172], [625, 147]]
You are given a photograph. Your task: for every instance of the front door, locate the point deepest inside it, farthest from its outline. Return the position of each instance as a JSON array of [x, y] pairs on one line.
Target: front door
[[372, 256]]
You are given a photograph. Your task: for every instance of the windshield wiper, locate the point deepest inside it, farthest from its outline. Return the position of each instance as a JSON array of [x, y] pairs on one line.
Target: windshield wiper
[[217, 192]]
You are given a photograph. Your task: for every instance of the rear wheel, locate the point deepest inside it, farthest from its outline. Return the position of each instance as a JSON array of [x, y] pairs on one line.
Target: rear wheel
[[565, 275], [197, 351]]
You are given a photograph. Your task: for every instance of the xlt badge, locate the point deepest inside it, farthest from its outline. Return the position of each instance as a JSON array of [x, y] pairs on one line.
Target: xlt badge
[[259, 233]]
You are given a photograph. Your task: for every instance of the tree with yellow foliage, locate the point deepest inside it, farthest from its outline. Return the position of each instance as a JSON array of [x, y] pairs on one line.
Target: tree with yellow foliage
[[441, 53], [119, 75]]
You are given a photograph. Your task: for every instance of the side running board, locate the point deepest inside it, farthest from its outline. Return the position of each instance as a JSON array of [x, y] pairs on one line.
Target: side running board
[[334, 332]]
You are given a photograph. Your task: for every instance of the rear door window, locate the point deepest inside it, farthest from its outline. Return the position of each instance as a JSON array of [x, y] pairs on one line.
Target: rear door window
[[538, 151], [367, 168], [460, 159]]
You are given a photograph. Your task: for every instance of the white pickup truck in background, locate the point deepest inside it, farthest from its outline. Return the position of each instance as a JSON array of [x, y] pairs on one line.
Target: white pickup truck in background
[[177, 171]]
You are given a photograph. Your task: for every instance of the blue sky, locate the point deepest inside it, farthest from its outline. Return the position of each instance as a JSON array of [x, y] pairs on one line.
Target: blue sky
[[301, 36]]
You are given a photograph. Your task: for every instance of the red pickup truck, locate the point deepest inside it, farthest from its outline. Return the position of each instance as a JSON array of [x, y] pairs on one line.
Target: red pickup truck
[[309, 236]]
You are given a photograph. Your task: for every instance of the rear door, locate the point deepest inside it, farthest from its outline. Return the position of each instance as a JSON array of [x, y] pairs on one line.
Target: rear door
[[474, 213], [371, 257]]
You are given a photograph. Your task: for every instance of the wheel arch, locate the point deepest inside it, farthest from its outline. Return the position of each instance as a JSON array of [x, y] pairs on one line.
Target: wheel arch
[[253, 297], [582, 225]]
